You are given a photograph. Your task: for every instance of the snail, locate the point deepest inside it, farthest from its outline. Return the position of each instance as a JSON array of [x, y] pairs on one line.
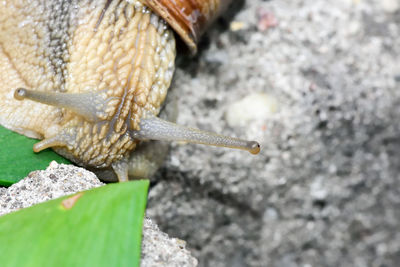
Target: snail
[[88, 78]]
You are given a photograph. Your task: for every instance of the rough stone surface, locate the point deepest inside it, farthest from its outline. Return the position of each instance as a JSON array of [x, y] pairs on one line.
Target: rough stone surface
[[60, 179], [56, 181], [159, 250], [325, 189]]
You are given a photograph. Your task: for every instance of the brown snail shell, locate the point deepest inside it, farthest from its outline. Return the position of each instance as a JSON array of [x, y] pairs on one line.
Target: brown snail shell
[[93, 75], [189, 18]]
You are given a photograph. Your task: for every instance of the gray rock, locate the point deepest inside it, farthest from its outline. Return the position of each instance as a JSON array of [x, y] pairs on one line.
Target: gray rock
[[56, 181], [324, 190], [159, 250], [59, 179]]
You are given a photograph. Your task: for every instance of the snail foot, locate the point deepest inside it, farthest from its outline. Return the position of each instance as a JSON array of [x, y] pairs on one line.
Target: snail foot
[[120, 168], [91, 105]]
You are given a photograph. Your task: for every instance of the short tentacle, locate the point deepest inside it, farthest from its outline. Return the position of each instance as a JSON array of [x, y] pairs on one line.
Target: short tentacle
[[47, 143]]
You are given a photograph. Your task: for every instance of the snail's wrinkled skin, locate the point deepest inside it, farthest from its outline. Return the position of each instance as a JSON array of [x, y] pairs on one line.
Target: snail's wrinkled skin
[[119, 58], [92, 76]]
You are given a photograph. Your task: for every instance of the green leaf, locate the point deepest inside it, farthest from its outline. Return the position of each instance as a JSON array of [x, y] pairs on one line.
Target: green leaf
[[17, 158], [99, 227]]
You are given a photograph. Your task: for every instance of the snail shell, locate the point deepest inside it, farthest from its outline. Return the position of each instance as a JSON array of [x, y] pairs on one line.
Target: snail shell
[[93, 74], [189, 18]]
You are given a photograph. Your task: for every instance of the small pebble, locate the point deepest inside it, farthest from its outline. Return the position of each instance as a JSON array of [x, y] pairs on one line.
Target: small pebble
[[254, 107]]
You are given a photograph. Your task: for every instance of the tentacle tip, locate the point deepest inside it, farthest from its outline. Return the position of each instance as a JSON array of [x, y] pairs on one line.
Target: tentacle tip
[[20, 93], [38, 147], [254, 147]]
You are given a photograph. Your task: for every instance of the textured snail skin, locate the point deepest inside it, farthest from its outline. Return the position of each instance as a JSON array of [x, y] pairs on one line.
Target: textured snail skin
[[89, 77], [117, 54]]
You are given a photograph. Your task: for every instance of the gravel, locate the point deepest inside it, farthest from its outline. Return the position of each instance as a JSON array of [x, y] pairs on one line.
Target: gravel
[[56, 181], [324, 191]]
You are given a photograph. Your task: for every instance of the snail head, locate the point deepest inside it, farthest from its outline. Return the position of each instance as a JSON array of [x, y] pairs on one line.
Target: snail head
[[117, 68]]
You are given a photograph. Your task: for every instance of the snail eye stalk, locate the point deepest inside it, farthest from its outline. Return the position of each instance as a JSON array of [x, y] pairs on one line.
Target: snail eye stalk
[[153, 128], [87, 105]]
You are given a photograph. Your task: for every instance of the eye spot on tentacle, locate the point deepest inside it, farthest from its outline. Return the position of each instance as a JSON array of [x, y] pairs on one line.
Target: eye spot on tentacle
[[20, 93]]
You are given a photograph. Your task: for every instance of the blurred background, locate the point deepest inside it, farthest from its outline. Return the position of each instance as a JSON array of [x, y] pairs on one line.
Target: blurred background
[[317, 83]]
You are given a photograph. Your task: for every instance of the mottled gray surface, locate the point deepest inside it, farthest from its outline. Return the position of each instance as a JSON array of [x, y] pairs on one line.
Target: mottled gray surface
[[158, 249], [325, 189], [56, 181]]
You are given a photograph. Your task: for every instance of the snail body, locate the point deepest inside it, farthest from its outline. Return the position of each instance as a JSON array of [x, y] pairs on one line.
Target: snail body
[[89, 77]]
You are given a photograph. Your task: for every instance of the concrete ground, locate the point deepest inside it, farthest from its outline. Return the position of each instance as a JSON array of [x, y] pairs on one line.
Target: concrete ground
[[317, 83]]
